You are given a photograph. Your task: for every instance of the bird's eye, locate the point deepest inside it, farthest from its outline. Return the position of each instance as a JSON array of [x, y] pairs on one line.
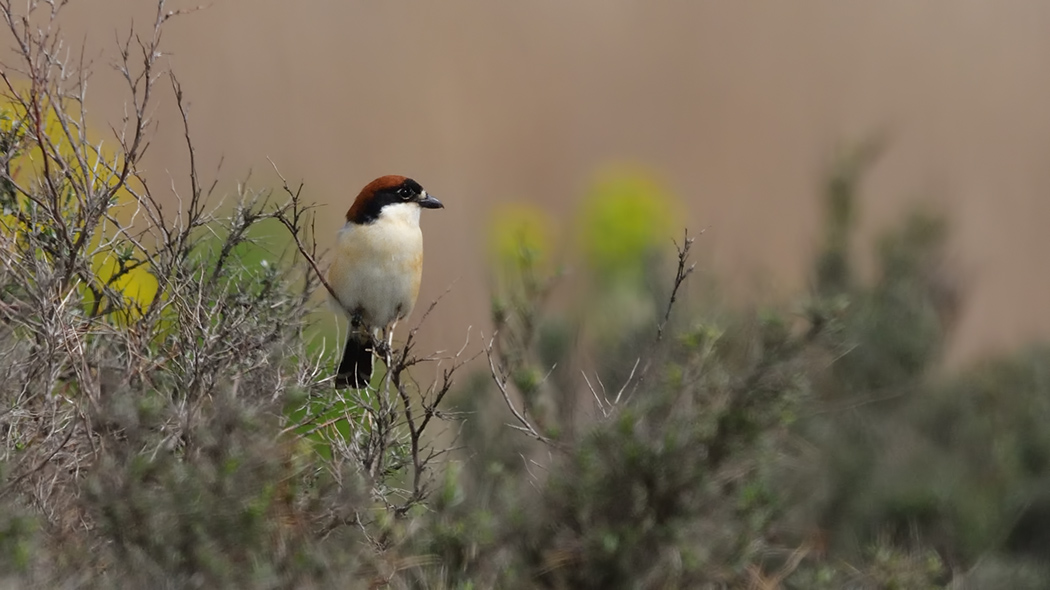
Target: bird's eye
[[405, 193]]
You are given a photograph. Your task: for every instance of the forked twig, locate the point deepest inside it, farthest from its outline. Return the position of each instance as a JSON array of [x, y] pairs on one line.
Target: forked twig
[[294, 225], [501, 382], [679, 278]]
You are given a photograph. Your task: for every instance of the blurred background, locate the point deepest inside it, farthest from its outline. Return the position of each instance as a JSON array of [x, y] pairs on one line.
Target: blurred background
[[737, 110]]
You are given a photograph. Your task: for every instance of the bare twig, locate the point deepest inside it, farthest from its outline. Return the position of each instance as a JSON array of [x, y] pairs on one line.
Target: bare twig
[[681, 273], [501, 379], [292, 217]]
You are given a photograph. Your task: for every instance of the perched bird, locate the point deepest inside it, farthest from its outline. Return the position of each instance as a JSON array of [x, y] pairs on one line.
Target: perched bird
[[376, 269]]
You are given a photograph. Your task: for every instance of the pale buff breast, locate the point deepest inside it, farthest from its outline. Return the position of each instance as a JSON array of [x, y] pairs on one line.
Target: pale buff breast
[[377, 267]]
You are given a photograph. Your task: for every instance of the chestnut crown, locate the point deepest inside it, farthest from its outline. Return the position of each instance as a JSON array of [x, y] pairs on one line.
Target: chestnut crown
[[385, 191]]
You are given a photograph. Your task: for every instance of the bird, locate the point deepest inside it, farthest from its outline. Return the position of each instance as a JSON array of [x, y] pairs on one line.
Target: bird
[[376, 267]]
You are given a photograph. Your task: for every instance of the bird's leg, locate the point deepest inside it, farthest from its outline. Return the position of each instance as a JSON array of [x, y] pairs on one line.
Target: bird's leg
[[378, 339], [390, 334]]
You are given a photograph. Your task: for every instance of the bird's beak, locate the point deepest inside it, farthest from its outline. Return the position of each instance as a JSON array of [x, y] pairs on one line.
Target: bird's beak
[[430, 202]]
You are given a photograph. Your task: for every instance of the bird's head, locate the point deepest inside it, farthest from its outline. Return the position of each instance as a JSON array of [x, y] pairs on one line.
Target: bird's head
[[388, 195]]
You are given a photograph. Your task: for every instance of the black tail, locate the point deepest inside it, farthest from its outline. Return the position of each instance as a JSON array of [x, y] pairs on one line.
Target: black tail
[[356, 368]]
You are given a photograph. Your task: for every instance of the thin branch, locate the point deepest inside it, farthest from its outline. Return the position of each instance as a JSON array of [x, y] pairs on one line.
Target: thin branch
[[681, 273], [501, 382]]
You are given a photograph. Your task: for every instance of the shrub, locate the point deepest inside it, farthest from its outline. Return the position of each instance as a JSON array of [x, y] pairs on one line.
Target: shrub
[[167, 423]]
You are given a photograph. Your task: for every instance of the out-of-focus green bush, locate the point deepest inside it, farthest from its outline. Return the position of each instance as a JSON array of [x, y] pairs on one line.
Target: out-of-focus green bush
[[826, 449]]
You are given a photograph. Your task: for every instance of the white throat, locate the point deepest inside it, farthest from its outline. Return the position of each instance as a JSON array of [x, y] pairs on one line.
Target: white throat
[[400, 213]]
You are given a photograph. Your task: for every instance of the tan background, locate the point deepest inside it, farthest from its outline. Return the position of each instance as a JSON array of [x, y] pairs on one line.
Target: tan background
[[738, 107]]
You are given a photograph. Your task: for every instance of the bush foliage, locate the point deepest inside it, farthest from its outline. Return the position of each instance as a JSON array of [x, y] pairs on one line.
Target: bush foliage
[[638, 433]]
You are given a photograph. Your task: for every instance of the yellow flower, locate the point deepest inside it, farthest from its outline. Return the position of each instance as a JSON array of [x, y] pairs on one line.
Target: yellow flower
[[626, 217]]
